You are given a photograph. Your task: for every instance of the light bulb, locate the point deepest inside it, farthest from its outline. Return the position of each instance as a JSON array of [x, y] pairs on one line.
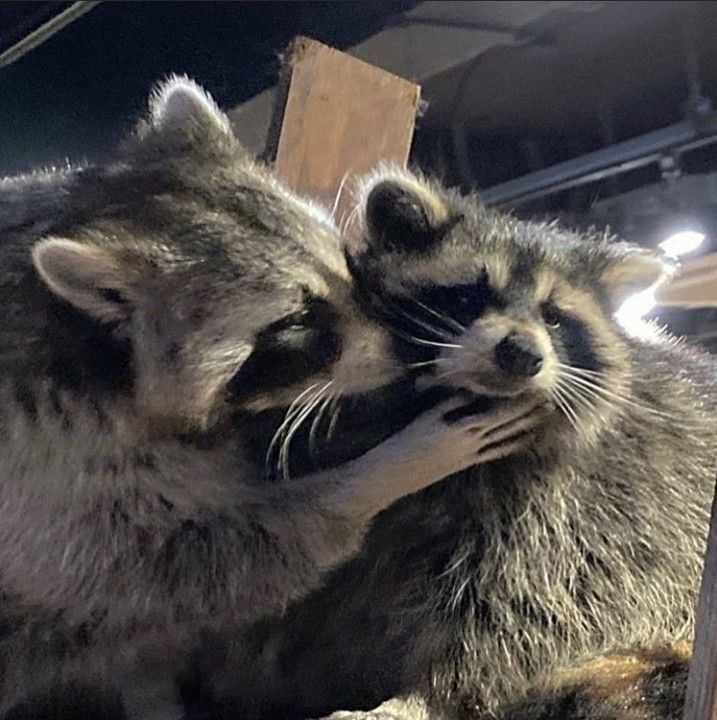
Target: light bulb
[[634, 308], [631, 313], [681, 243]]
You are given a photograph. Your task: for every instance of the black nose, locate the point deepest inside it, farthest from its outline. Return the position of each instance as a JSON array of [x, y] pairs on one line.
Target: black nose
[[518, 356]]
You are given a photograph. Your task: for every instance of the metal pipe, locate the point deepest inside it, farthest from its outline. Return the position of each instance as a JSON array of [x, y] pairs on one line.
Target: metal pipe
[[46, 31], [597, 165]]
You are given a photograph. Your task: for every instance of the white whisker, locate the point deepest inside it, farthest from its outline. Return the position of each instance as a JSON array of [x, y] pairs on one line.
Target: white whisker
[[425, 363], [442, 334], [288, 417], [335, 412], [339, 192], [576, 394], [308, 408], [608, 395], [445, 318], [597, 397], [448, 373], [350, 218], [423, 341], [412, 338], [564, 404], [594, 390], [317, 421], [581, 371]]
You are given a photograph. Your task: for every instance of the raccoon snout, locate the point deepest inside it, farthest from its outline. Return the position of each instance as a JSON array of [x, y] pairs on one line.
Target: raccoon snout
[[516, 355]]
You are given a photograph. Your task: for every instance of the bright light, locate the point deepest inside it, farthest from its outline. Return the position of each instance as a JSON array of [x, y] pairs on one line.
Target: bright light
[[682, 243], [631, 312]]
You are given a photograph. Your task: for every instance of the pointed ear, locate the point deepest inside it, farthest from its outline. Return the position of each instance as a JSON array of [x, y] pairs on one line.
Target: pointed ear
[[631, 270], [179, 106], [403, 213], [94, 279]]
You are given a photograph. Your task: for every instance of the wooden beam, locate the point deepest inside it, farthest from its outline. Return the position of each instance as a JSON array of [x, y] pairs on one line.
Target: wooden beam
[[694, 286], [455, 32], [701, 700], [336, 118]]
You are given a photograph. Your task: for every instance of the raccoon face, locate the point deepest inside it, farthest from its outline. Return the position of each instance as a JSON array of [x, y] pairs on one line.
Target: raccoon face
[[220, 288], [482, 302]]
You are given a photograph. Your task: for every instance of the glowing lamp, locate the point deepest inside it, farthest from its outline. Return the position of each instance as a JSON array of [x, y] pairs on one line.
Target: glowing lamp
[[631, 312], [682, 243]]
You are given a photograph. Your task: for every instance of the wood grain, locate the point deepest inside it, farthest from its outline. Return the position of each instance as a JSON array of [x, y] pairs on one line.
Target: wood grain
[[339, 117], [694, 286]]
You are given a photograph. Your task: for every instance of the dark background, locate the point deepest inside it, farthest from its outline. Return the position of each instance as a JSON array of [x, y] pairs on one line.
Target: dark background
[[77, 93]]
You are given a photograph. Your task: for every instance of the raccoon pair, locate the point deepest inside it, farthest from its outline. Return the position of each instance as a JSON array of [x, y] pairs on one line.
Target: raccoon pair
[[205, 403], [170, 320], [559, 581]]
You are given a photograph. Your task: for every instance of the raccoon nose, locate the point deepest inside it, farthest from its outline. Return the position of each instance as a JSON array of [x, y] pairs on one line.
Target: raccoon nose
[[518, 356]]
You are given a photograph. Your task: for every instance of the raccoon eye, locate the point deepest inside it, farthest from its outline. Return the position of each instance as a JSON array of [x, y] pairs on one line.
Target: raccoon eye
[[298, 321], [551, 316]]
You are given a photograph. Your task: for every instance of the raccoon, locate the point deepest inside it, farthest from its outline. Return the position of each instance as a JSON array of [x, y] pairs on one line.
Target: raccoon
[[586, 541], [154, 310]]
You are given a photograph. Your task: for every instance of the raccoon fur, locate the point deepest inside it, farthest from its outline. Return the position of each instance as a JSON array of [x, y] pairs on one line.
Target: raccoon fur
[[648, 684], [154, 309], [586, 541]]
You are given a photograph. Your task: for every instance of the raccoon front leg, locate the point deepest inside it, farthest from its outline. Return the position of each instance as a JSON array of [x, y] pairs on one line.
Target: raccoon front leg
[[285, 673], [283, 539], [437, 444], [299, 530]]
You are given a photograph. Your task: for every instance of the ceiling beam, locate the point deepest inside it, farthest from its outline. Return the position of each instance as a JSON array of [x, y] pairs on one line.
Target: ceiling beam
[[694, 286], [455, 32]]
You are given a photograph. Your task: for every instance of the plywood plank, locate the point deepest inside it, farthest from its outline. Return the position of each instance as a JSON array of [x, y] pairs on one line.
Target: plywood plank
[[339, 118], [694, 286]]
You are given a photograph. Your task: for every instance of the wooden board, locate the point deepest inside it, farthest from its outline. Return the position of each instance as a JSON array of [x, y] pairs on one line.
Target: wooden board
[[694, 286], [336, 118], [701, 701]]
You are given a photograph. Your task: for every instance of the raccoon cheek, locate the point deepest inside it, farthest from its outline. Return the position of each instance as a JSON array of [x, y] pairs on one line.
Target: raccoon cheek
[[547, 378]]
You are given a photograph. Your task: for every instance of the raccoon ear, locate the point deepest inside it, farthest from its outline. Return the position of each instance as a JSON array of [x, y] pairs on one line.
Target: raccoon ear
[[91, 278], [633, 270], [404, 215], [180, 106]]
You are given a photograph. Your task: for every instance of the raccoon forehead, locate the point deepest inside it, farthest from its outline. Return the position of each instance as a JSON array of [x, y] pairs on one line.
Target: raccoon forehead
[[545, 282], [442, 269], [510, 275]]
